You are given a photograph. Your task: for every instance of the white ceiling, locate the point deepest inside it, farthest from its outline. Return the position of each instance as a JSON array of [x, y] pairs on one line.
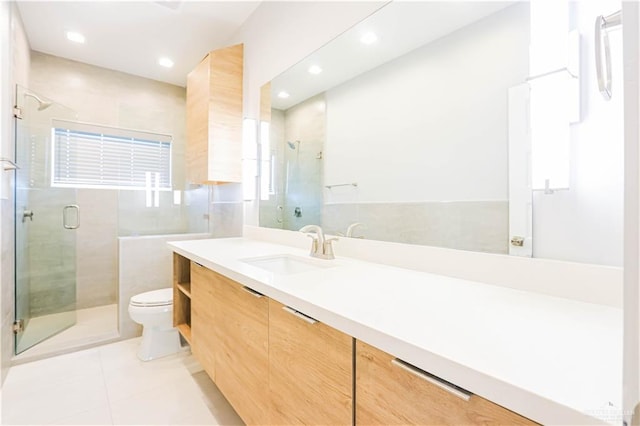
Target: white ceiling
[[130, 36]]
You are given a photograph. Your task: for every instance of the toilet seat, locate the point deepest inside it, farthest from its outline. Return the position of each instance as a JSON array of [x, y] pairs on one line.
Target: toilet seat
[[162, 297]]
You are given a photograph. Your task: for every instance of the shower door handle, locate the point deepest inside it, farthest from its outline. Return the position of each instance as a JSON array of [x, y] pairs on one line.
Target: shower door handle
[[66, 213]]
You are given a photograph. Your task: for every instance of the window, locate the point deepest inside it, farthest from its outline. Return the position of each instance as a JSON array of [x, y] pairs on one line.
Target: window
[[92, 156]]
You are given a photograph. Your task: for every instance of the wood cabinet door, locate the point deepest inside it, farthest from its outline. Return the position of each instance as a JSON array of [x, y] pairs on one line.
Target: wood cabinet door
[[203, 317], [197, 131], [389, 393], [214, 118], [310, 370], [242, 357], [225, 115]]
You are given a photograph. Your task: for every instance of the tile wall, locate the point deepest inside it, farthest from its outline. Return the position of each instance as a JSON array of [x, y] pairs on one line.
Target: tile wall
[[465, 225]]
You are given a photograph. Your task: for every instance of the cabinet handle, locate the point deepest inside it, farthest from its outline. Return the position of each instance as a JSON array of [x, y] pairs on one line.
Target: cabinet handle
[[252, 292], [300, 315], [441, 383]]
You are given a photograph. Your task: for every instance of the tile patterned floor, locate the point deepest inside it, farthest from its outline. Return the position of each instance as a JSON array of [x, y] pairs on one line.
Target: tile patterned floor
[[108, 385]]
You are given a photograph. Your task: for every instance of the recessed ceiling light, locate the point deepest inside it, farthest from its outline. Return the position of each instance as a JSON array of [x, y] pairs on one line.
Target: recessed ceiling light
[[283, 95], [314, 69], [165, 62], [75, 37], [369, 38]]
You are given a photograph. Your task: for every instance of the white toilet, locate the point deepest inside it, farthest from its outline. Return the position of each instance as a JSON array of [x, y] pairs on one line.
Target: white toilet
[[154, 311]]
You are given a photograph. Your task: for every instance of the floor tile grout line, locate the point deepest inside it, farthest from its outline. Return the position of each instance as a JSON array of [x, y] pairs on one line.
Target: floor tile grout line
[[106, 389]]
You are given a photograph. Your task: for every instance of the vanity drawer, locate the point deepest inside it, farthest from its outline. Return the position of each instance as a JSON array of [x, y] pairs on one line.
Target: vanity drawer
[[389, 391]]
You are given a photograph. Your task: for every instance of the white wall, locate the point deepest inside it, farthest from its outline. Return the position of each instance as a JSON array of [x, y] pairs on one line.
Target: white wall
[[432, 124], [279, 34], [585, 223]]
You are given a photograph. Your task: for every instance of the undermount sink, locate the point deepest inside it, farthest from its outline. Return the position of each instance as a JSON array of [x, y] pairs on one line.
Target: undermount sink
[[286, 264]]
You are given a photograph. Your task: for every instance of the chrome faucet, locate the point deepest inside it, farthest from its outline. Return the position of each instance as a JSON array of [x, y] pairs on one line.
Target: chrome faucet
[[320, 246], [352, 227]]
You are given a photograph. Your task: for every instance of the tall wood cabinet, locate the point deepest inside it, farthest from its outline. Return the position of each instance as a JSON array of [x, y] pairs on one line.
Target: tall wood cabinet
[[214, 118], [310, 370]]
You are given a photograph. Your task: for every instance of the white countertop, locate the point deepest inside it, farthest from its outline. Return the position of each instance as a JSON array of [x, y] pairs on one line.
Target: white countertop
[[554, 360]]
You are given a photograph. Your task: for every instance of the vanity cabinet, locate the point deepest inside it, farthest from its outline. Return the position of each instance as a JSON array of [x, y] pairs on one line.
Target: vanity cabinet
[[242, 352], [203, 317], [214, 118], [310, 370], [276, 365], [390, 391]]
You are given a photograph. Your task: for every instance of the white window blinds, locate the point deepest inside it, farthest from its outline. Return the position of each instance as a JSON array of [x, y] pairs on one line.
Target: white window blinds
[[88, 155]]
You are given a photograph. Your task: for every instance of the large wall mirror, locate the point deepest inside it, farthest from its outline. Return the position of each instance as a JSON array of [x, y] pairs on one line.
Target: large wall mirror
[[413, 126]]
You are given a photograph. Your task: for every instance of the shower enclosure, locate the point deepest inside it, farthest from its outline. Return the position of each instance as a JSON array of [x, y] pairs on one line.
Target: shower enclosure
[[68, 286], [296, 187], [45, 225]]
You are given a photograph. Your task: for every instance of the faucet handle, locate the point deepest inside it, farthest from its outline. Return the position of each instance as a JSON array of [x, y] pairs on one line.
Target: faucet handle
[[327, 248], [314, 244]]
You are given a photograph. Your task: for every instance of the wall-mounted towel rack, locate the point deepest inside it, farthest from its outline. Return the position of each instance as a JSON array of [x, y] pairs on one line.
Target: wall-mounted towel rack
[[341, 184]]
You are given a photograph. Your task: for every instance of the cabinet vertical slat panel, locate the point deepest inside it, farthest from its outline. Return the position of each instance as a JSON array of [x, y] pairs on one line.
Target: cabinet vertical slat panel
[[203, 317], [310, 371], [242, 357], [387, 394]]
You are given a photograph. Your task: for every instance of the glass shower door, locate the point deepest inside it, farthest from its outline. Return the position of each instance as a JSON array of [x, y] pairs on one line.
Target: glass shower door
[[45, 225]]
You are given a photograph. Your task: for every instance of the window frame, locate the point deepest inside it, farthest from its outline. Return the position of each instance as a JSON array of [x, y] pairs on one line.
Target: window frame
[[112, 132]]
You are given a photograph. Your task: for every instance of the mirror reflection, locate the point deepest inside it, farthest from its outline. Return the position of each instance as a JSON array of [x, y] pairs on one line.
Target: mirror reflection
[[413, 127]]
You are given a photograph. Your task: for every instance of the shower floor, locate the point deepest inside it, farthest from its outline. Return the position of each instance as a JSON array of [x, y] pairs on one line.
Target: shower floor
[[93, 326]]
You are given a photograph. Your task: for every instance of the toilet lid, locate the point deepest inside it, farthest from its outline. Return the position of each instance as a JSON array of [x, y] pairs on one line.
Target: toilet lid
[[160, 297]]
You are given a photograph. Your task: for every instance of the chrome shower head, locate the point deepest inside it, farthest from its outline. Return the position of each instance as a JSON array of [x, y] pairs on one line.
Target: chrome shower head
[[292, 144]]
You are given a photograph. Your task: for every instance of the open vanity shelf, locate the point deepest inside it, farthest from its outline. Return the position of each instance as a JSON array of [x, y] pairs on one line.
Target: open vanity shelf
[[182, 295]]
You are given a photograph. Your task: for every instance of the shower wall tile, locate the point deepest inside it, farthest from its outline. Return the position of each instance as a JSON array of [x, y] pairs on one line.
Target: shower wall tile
[[227, 219], [226, 210], [51, 253], [468, 225], [96, 248], [196, 205], [145, 264], [136, 218]]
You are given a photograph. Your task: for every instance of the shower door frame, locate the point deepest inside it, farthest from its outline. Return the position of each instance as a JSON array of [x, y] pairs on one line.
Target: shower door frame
[[45, 258]]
